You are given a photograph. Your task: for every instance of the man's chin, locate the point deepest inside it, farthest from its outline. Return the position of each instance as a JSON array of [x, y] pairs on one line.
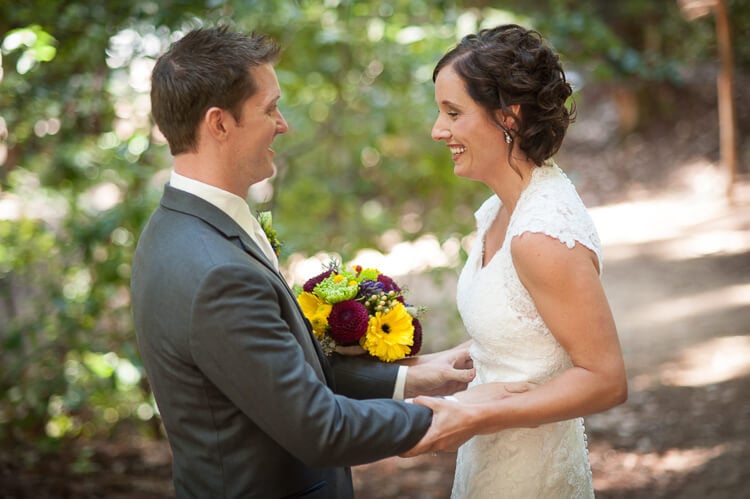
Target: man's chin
[[265, 176], [272, 173], [267, 173]]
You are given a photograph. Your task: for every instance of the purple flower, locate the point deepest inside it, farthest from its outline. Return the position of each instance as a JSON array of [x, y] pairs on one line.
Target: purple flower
[[369, 288], [309, 286], [348, 321]]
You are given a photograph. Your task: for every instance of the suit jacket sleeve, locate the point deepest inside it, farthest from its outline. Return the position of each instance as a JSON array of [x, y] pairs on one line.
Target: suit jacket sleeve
[[240, 339], [363, 378]]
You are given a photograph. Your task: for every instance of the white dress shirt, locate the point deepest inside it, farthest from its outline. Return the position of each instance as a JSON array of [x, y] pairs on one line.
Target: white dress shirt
[[231, 204], [239, 211]]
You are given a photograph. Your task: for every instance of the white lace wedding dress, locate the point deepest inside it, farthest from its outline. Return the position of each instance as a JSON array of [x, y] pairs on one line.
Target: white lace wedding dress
[[512, 343]]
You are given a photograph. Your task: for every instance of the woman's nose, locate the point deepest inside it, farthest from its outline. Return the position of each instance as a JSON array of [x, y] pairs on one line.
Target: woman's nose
[[440, 131]]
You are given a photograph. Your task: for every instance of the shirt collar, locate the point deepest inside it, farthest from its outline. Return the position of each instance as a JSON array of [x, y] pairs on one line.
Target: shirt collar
[[231, 204]]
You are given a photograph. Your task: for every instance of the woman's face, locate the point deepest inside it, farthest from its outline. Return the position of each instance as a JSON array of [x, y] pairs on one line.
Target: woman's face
[[476, 142]]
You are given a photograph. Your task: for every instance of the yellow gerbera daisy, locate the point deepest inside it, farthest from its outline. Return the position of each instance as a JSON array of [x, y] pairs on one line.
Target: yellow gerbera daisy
[[389, 335], [316, 311]]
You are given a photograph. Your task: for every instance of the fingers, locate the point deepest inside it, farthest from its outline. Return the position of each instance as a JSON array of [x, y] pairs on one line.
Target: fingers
[[452, 387], [463, 367], [460, 375], [464, 361], [461, 356], [415, 451], [449, 428], [423, 446], [452, 380], [428, 441], [431, 402]]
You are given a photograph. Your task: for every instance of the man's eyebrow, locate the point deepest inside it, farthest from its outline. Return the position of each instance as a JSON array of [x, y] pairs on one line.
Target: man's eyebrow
[[267, 105], [274, 100]]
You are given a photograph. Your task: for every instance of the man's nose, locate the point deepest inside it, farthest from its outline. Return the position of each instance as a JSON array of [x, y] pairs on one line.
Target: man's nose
[[281, 125]]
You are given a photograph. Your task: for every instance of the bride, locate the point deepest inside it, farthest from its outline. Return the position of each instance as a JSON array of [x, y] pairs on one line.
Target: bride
[[530, 294]]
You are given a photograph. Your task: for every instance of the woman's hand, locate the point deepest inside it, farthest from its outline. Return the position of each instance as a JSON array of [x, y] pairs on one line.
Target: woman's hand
[[490, 392]]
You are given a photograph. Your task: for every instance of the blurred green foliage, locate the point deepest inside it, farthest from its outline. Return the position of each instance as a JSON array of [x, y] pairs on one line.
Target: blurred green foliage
[[81, 166]]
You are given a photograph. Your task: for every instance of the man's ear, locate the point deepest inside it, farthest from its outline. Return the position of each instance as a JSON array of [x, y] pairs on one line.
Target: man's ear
[[216, 123]]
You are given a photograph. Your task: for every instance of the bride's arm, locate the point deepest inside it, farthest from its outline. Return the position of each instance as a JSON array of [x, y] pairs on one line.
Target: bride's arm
[[565, 286]]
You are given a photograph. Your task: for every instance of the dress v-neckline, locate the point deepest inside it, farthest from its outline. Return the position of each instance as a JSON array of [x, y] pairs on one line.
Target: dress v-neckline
[[483, 240]]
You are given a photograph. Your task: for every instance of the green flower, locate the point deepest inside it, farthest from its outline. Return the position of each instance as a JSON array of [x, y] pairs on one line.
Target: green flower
[[368, 275], [337, 288]]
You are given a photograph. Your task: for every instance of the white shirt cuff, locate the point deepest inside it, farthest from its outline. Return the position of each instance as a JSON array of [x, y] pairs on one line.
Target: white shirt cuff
[[398, 390]]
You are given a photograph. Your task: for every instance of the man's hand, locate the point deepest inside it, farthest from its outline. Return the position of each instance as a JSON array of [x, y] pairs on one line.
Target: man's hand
[[441, 373], [455, 422]]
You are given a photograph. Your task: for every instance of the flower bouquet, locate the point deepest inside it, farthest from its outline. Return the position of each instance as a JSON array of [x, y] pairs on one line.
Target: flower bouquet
[[356, 311]]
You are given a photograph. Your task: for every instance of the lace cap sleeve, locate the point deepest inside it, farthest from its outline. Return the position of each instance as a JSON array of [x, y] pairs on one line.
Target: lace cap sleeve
[[550, 205]]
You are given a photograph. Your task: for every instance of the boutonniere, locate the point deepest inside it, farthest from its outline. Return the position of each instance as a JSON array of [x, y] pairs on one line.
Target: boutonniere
[[265, 219]]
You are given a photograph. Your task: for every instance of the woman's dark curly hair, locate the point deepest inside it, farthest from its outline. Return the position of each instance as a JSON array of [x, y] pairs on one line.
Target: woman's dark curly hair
[[509, 65]]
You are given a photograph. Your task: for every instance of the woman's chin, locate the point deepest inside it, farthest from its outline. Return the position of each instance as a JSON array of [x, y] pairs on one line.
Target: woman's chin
[[459, 171]]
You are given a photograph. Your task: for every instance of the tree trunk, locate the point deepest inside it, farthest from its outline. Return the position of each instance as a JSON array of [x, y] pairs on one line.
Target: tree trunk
[[727, 121]]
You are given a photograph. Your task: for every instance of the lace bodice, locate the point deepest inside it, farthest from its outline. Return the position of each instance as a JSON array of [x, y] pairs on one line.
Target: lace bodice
[[512, 343]]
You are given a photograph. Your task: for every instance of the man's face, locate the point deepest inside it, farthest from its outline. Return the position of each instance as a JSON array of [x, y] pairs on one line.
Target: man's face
[[259, 124]]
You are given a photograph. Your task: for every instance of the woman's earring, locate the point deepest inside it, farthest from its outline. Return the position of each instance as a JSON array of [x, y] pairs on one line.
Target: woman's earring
[[508, 138]]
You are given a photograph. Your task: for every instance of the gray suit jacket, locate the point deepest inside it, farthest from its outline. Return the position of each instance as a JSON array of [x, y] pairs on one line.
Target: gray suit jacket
[[251, 406]]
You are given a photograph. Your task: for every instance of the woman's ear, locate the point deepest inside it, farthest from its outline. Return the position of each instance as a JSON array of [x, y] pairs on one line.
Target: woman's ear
[[508, 120]]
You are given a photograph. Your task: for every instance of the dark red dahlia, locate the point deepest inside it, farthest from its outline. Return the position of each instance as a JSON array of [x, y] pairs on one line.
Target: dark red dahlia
[[390, 285], [417, 346], [312, 282], [348, 321]]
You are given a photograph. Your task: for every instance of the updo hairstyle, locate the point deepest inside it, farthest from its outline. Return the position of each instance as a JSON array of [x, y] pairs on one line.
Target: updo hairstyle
[[509, 65]]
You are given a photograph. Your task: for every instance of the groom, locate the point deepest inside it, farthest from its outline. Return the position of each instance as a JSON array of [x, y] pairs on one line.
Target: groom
[[251, 406]]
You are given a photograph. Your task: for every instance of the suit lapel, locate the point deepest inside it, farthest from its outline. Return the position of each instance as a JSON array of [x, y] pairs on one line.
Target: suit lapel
[[175, 199], [253, 249]]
